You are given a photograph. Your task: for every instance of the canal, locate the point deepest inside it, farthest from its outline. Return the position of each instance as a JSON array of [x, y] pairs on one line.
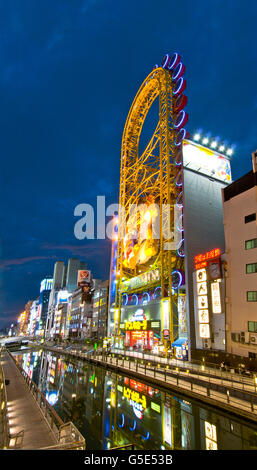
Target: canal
[[111, 410]]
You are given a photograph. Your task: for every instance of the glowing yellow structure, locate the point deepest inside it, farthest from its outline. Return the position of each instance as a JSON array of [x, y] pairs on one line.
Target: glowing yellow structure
[[151, 178]]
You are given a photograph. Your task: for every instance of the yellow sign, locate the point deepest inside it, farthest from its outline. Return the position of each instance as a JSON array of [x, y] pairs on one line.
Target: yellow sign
[[134, 396], [136, 325]]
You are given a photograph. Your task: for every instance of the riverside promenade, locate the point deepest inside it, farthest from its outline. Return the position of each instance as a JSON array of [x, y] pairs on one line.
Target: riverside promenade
[[23, 411]]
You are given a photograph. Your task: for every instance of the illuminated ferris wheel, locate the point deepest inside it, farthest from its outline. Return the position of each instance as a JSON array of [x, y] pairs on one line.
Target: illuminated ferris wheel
[[153, 179]]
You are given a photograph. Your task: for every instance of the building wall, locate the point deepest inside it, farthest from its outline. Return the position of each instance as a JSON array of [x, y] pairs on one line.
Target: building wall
[[203, 229], [239, 311], [58, 275]]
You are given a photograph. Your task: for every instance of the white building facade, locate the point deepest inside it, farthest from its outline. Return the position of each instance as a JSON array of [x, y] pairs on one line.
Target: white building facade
[[240, 223]]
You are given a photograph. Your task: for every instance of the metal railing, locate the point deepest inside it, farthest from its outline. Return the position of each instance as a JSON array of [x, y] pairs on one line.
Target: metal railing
[[4, 423], [225, 387], [69, 439], [245, 383], [66, 435], [124, 447], [221, 391]]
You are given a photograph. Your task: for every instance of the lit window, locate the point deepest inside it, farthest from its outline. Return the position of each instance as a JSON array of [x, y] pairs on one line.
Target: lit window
[[251, 268], [252, 296], [249, 244], [252, 326]]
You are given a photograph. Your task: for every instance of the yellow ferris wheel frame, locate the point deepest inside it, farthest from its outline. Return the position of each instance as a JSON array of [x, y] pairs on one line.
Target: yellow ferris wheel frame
[[153, 172]]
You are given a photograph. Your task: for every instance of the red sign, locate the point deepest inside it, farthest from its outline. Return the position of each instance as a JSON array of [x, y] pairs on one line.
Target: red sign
[[203, 258], [84, 277], [166, 334]]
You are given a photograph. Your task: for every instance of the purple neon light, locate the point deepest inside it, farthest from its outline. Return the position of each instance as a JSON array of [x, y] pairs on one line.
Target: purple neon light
[[180, 86], [180, 175], [181, 245], [135, 295], [166, 60], [180, 137], [180, 279], [180, 197], [180, 118], [179, 158], [177, 71], [148, 297], [174, 60], [157, 288]]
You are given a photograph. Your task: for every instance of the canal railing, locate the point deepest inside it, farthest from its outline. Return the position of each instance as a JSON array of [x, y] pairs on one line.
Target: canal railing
[[4, 423], [66, 435], [227, 391], [124, 447]]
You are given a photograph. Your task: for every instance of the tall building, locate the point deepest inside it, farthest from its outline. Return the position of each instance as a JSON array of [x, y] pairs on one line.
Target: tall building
[[100, 311], [240, 222], [58, 276], [206, 172], [33, 318], [80, 313], [65, 280], [24, 318], [46, 286], [74, 265]]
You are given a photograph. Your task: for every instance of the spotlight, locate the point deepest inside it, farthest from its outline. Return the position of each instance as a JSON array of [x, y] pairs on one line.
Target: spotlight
[[205, 140], [222, 148], [214, 144], [197, 137], [230, 152]]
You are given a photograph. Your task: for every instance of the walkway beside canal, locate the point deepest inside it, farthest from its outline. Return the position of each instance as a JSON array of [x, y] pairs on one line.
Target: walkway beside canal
[[23, 411]]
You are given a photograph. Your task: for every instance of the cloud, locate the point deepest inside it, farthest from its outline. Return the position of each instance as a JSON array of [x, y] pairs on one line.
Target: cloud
[[5, 264], [83, 251]]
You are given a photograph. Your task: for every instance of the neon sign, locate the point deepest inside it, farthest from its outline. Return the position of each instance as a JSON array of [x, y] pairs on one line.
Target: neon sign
[[216, 300], [136, 397], [136, 325], [202, 258]]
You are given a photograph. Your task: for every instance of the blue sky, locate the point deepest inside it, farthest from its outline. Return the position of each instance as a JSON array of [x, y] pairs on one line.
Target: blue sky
[[69, 73]]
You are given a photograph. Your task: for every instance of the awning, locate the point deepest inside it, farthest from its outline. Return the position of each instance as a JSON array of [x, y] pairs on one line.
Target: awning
[[179, 342]]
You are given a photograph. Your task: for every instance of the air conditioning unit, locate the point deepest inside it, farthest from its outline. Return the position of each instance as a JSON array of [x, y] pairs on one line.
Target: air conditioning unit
[[253, 338]]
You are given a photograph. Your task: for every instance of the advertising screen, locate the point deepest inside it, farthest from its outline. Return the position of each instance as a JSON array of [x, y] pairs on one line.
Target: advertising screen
[[206, 161], [84, 278]]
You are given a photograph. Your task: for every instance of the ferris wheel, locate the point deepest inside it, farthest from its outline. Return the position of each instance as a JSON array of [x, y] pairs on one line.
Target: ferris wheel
[[154, 176]]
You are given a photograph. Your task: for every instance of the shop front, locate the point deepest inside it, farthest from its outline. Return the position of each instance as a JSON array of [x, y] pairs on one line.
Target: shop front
[[141, 327], [180, 348]]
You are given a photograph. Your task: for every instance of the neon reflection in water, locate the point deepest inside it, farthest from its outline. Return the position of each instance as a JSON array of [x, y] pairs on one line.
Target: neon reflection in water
[[112, 410]]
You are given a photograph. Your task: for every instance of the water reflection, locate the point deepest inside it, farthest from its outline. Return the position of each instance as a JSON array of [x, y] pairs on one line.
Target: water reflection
[[112, 410]]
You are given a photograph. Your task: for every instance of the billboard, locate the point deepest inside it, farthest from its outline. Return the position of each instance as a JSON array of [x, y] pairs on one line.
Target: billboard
[[206, 161], [46, 284], [84, 278]]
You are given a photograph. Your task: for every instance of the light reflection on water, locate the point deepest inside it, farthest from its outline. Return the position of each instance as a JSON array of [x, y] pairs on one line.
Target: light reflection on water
[[112, 410]]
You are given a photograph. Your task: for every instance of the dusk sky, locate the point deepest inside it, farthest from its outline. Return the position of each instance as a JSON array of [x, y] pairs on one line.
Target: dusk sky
[[70, 70]]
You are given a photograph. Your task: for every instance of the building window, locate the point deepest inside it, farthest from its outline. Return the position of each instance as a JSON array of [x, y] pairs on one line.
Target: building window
[[250, 218], [235, 337], [252, 326], [252, 296], [251, 268], [249, 244]]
